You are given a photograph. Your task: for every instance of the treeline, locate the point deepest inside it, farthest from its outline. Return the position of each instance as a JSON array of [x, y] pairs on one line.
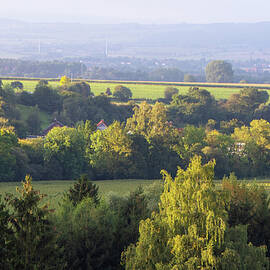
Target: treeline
[[168, 74], [69, 103], [156, 228], [140, 140], [198, 106], [140, 148], [40, 69]]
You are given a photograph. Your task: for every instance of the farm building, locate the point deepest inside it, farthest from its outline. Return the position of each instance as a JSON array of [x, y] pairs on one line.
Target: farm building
[[101, 125], [54, 124]]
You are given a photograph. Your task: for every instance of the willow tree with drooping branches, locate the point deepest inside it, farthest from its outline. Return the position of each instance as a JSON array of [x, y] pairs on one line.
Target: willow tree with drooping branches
[[190, 230]]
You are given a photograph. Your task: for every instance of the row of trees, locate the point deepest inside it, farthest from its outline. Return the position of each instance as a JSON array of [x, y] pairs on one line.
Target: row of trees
[[144, 143], [74, 102], [185, 223], [70, 103], [139, 148], [38, 69], [215, 71], [197, 106]]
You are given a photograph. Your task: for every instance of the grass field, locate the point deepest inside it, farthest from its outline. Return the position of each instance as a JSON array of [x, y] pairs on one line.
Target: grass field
[[26, 110], [152, 90], [29, 85], [56, 189], [157, 91]]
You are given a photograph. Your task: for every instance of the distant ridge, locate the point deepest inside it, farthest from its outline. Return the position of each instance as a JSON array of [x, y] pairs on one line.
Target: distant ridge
[[222, 40]]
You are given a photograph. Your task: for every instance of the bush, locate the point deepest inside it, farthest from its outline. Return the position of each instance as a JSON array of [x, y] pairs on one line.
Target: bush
[[122, 93], [248, 205], [86, 235], [169, 92], [17, 84]]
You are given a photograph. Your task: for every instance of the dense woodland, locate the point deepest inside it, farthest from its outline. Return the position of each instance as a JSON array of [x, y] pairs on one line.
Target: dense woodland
[[160, 227], [190, 139], [141, 139]]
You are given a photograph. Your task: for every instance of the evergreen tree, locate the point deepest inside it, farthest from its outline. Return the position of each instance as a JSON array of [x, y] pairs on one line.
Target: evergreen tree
[[83, 188], [33, 236], [6, 247]]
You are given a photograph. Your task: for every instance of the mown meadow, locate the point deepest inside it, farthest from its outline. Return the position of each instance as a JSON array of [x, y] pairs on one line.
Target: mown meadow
[[55, 189]]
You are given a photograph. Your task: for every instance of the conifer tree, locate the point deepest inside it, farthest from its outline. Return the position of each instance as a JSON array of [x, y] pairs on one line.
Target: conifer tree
[[5, 237], [190, 229], [33, 236], [83, 188]]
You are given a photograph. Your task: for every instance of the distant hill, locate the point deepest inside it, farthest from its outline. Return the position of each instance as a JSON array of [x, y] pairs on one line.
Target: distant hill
[[184, 41]]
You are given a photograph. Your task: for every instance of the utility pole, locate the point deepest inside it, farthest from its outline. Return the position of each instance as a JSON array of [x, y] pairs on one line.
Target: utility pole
[[39, 47], [106, 48], [81, 63]]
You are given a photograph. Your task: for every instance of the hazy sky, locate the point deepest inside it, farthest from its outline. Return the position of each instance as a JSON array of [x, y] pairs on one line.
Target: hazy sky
[[142, 11]]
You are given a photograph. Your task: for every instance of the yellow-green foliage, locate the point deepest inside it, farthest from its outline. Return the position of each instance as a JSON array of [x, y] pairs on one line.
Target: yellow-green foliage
[[149, 120], [190, 230], [65, 81]]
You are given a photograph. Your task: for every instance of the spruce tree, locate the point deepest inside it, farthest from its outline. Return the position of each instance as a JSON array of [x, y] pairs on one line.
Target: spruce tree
[[33, 236]]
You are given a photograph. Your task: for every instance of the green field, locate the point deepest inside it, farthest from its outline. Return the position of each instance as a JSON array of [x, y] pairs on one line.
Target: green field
[[55, 189], [29, 85], [150, 90], [157, 91], [25, 111]]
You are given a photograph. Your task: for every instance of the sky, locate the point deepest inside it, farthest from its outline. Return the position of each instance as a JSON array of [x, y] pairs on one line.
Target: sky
[[137, 11]]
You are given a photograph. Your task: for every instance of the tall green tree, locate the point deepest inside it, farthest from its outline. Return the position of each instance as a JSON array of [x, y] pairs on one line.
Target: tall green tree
[[6, 243], [190, 230], [33, 121], [195, 107], [254, 147], [65, 147], [82, 88], [83, 188], [8, 142], [248, 204], [169, 92], [47, 98], [86, 235], [33, 237], [122, 93], [148, 120], [110, 153], [244, 104], [219, 71]]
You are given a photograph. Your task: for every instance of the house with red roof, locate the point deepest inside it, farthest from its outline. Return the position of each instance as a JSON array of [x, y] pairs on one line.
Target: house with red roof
[[101, 125], [54, 124]]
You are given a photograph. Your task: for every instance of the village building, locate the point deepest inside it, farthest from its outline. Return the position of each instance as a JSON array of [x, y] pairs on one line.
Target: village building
[[54, 124], [101, 125]]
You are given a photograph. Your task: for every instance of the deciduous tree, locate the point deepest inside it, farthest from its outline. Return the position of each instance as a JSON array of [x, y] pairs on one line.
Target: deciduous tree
[[122, 93], [190, 230], [66, 147], [219, 71]]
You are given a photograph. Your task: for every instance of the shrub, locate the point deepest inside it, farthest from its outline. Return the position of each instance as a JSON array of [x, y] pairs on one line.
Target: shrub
[[169, 92], [122, 93]]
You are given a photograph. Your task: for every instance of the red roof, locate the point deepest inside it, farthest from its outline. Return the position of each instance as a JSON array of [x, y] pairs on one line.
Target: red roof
[[100, 123]]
